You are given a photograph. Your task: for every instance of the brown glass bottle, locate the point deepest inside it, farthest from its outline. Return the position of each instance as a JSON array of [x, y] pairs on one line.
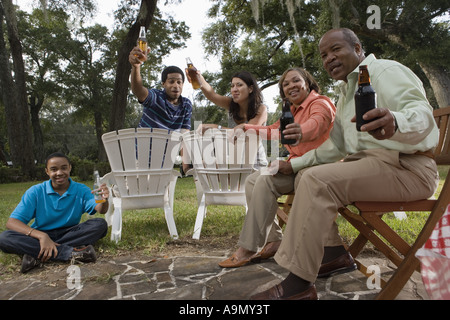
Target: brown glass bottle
[[365, 97], [192, 71], [285, 119]]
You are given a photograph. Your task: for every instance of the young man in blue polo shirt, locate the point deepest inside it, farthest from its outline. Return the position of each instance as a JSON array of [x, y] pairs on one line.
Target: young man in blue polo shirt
[[55, 207], [166, 108]]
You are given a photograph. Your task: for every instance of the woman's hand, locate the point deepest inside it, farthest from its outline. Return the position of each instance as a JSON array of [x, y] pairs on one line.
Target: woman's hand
[[239, 127], [293, 131], [203, 127]]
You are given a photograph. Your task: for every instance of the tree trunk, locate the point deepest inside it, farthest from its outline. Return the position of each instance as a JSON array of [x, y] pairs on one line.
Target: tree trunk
[[440, 82], [98, 133], [2, 154], [14, 93], [123, 71], [438, 77], [335, 6], [36, 104]]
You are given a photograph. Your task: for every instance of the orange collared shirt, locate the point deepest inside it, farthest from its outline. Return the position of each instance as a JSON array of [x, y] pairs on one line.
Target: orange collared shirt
[[315, 116]]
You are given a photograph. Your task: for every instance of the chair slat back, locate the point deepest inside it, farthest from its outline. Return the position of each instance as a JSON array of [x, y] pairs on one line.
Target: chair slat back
[[236, 156], [442, 152], [141, 159], [209, 159], [222, 162]]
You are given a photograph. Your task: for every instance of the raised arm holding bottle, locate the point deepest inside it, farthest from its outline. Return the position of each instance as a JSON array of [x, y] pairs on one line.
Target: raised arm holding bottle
[[166, 108], [245, 105]]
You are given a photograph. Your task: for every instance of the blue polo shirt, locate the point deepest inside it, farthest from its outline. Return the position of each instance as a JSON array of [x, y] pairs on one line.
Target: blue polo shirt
[[160, 113], [50, 210]]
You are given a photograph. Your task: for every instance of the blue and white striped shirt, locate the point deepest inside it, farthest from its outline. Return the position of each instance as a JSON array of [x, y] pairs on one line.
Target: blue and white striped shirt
[[160, 113]]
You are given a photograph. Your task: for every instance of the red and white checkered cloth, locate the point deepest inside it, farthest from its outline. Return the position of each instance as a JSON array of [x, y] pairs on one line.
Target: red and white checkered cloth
[[435, 259]]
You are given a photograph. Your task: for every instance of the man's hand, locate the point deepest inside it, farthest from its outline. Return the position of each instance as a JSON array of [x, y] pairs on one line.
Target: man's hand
[[48, 247], [102, 207], [280, 166], [382, 125], [137, 56], [285, 167], [103, 191]]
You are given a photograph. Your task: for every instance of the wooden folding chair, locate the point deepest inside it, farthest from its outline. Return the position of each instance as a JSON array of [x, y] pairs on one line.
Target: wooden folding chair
[[372, 228], [142, 173], [284, 206], [220, 166]]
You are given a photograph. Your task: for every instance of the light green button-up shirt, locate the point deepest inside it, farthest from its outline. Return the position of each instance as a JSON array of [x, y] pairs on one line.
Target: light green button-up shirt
[[399, 90]]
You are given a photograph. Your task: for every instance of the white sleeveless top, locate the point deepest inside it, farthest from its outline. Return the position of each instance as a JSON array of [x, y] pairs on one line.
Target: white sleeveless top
[[261, 158]]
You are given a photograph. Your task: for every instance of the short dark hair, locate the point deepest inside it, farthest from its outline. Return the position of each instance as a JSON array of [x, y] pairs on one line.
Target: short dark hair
[[169, 70], [351, 37], [56, 155]]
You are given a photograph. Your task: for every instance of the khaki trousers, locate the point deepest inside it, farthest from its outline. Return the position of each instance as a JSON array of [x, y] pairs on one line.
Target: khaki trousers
[[375, 175], [260, 225]]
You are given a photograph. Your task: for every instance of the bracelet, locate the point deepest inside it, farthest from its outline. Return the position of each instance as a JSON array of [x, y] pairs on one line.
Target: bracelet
[[31, 230]]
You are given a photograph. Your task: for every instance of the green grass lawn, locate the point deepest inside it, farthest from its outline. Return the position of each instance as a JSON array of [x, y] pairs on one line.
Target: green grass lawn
[[146, 230]]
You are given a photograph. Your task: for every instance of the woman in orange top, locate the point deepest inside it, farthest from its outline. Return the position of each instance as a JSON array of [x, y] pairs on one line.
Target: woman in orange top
[[314, 117]]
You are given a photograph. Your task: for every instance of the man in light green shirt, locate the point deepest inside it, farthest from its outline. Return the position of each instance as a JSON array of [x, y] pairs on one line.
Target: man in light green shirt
[[401, 92], [389, 160]]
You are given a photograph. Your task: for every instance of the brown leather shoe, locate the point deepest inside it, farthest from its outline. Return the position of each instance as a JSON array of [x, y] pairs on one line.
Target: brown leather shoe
[[342, 264], [234, 262], [267, 252], [276, 293]]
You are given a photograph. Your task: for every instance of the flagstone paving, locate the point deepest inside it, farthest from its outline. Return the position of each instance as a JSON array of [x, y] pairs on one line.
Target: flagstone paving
[[182, 277]]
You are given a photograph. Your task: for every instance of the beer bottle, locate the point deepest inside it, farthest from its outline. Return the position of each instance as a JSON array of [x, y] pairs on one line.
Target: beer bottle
[[98, 197], [143, 40], [285, 119], [365, 97], [192, 71]]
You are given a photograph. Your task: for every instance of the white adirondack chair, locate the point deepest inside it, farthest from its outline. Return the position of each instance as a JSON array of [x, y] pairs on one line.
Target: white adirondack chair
[[221, 164], [142, 173]]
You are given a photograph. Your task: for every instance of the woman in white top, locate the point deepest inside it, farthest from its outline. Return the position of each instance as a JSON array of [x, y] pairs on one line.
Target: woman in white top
[[245, 105]]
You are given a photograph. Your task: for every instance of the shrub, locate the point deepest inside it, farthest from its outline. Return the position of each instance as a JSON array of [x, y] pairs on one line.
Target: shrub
[[81, 168], [9, 174], [84, 169]]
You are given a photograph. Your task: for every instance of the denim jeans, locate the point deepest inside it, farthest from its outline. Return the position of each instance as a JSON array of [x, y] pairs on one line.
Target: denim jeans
[[82, 234]]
